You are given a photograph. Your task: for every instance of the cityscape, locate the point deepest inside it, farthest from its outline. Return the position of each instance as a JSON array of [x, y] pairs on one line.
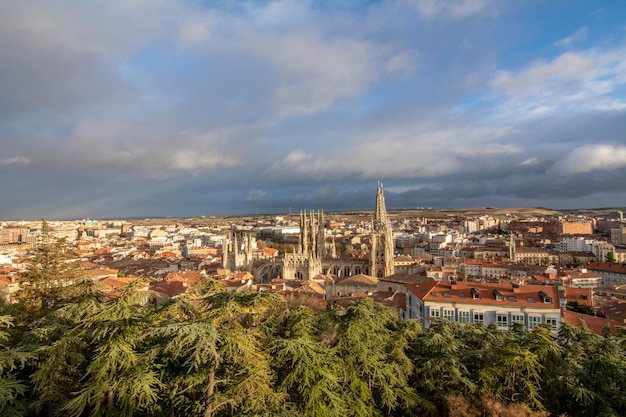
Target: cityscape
[[318, 208], [325, 258], [525, 272]]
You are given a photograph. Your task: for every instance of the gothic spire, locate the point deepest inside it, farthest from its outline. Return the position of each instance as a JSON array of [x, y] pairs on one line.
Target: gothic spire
[[380, 213], [381, 255]]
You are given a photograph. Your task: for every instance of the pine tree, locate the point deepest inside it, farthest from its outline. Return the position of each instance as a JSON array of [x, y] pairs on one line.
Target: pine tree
[[63, 347], [121, 378], [375, 372], [439, 369], [52, 268], [212, 353], [12, 359], [308, 371]]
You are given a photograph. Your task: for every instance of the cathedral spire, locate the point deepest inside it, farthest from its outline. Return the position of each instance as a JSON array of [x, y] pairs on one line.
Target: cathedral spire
[[381, 256], [380, 213]]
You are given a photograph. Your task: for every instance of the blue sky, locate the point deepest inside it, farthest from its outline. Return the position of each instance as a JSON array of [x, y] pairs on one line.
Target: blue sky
[[183, 108]]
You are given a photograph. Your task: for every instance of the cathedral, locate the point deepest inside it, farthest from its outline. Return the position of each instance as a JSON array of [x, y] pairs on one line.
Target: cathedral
[[315, 255]]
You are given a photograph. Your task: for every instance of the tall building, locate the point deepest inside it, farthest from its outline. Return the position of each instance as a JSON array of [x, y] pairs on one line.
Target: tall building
[[237, 255], [381, 254], [314, 255], [306, 261]]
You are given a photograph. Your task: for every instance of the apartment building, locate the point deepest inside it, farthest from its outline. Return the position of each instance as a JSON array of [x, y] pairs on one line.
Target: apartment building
[[466, 302]]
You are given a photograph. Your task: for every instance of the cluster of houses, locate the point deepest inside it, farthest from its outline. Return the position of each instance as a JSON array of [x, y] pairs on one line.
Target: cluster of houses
[[488, 271]]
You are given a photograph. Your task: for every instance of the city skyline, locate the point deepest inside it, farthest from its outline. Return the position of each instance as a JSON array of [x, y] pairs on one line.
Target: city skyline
[[189, 108]]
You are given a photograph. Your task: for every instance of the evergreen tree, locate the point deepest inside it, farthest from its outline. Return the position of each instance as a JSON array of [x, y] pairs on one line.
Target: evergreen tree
[[439, 369], [212, 353], [12, 359], [51, 269], [372, 342], [121, 378], [308, 370], [63, 348]]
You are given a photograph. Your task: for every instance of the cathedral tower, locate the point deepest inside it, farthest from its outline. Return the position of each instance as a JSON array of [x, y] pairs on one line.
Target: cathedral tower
[[381, 256]]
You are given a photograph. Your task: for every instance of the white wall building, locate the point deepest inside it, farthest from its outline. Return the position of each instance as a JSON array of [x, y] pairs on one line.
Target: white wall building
[[466, 302]]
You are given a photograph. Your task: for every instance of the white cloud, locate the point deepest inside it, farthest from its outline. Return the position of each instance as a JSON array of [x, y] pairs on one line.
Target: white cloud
[[569, 66], [295, 157], [586, 80], [401, 153], [142, 151], [591, 157], [192, 160], [579, 35], [529, 162], [196, 29], [256, 194], [109, 29], [452, 9], [404, 63], [16, 160], [314, 72], [278, 13]]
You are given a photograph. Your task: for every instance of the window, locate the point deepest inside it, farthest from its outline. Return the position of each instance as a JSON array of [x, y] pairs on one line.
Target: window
[[545, 297], [498, 295], [517, 318], [464, 316], [512, 298], [448, 314], [410, 300], [502, 319], [533, 321], [552, 322], [434, 312], [479, 318], [475, 293]]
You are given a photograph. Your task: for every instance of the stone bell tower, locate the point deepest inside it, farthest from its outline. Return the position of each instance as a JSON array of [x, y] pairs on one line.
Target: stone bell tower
[[381, 255]]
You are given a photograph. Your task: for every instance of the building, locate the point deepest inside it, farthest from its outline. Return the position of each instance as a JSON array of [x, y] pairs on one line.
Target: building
[[612, 274], [466, 302], [315, 255], [618, 235], [381, 254], [580, 278], [577, 227], [237, 251], [532, 256]]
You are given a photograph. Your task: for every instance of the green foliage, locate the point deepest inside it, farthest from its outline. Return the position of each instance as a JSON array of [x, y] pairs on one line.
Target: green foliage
[[306, 368], [214, 353], [438, 363], [12, 359], [44, 285], [580, 308]]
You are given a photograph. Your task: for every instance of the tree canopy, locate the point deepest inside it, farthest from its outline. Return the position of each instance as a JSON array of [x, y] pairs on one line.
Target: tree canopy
[[215, 353]]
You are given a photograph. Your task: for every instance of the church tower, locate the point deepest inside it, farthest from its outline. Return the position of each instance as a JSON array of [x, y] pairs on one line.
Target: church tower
[[381, 256]]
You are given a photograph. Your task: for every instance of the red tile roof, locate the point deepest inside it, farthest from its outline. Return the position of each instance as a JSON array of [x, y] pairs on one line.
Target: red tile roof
[[522, 296], [595, 324]]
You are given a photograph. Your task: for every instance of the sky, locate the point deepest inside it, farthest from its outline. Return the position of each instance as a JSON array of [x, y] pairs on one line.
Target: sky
[[177, 108]]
